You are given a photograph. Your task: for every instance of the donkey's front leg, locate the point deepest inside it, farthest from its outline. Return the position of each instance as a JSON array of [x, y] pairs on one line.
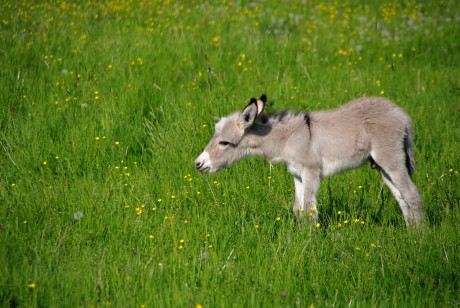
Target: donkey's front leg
[[306, 188], [299, 205]]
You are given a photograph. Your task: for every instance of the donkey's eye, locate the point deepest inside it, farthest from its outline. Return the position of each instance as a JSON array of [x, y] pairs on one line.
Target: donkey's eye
[[224, 143]]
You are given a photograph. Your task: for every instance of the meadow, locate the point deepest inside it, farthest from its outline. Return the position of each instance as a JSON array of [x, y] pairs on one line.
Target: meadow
[[105, 105]]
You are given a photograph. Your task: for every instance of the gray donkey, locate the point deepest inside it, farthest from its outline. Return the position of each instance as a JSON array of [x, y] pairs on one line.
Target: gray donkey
[[322, 143]]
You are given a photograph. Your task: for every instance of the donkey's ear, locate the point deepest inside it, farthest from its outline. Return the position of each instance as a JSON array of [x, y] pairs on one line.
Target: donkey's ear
[[261, 103], [249, 114], [263, 98]]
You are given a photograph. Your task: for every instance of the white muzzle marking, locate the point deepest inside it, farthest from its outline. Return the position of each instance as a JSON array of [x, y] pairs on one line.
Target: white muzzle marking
[[203, 163]]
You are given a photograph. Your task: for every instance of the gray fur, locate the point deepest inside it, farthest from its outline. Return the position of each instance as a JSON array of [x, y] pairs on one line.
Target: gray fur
[[314, 145]]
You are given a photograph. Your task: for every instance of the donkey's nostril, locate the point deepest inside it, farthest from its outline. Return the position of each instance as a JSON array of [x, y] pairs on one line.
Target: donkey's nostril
[[197, 164]]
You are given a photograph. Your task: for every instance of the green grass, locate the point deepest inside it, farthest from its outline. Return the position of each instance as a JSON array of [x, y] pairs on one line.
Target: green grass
[[105, 106]]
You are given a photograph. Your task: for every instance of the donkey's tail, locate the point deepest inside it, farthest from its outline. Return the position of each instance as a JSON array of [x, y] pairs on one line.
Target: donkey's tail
[[409, 149]]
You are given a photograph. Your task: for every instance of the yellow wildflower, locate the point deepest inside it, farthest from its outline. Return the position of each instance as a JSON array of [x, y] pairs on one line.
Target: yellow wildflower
[[31, 285]]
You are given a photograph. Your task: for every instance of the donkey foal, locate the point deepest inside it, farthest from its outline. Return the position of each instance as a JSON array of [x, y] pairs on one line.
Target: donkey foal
[[314, 145]]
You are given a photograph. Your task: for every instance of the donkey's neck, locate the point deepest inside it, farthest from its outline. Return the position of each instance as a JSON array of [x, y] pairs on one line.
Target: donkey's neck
[[261, 141], [269, 137]]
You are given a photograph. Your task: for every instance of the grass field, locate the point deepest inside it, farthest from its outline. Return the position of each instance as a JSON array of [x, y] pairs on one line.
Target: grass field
[[105, 105]]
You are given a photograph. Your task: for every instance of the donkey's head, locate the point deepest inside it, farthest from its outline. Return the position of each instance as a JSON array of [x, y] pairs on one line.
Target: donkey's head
[[226, 146]]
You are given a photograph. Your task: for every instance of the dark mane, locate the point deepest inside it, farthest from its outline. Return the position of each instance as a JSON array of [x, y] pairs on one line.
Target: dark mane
[[280, 116]]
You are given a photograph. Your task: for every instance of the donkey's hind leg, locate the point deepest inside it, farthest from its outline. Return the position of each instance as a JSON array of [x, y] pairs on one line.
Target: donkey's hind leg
[[406, 193]]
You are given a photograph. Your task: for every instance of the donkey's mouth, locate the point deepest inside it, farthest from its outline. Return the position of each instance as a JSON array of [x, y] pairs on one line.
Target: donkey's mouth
[[203, 169]]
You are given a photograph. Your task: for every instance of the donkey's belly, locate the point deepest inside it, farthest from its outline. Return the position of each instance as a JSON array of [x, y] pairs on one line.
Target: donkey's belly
[[333, 166]]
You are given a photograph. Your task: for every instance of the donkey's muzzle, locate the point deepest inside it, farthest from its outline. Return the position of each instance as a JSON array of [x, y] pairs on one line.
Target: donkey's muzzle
[[199, 166], [202, 163]]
